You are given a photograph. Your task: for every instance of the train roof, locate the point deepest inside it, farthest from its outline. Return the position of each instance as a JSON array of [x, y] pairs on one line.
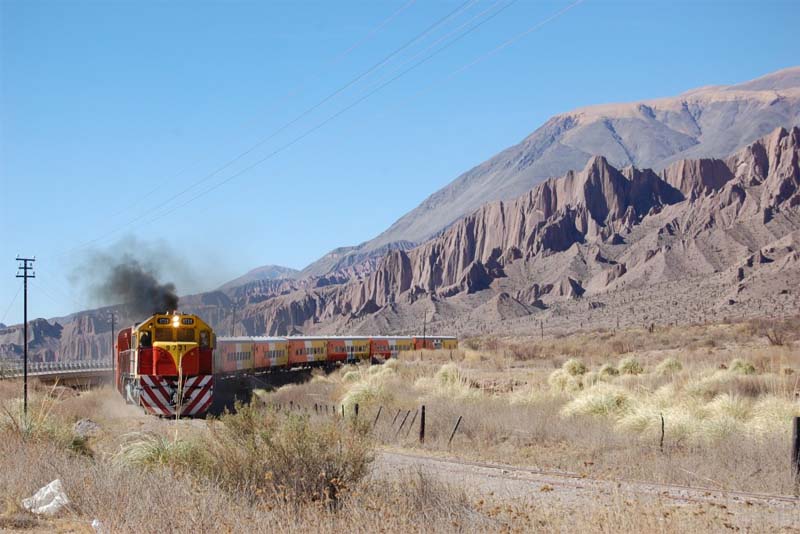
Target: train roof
[[249, 339]]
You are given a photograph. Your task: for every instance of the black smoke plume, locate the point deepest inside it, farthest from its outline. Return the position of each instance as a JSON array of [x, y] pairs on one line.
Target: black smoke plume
[[138, 289], [130, 274]]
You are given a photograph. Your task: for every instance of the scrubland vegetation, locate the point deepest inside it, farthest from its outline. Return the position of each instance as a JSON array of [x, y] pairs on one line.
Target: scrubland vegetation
[[589, 404], [593, 403]]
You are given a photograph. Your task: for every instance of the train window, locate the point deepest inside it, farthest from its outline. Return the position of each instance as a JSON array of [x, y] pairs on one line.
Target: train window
[[162, 320], [204, 339], [187, 320], [163, 334], [186, 334]]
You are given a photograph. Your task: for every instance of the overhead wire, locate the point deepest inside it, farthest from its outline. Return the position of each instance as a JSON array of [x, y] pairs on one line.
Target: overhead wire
[[332, 117], [285, 126], [13, 300], [292, 92], [498, 48]]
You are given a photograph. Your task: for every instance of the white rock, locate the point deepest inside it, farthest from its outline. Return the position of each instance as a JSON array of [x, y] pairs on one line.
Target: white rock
[[49, 500]]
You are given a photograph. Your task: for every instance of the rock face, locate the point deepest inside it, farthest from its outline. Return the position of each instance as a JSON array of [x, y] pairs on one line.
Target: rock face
[[588, 232], [698, 238], [709, 122]]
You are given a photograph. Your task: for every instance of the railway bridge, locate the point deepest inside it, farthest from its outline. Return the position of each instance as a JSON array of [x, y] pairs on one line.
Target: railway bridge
[[77, 373]]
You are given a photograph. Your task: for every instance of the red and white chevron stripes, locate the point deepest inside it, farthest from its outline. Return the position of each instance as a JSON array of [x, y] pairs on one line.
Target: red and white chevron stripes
[[159, 395]]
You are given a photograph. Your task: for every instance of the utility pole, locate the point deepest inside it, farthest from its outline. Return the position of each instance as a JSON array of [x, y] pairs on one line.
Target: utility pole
[[113, 353], [233, 323], [424, 327], [27, 272]]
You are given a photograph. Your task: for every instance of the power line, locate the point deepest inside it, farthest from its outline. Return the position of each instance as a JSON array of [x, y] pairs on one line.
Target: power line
[[498, 48], [286, 125], [330, 118], [292, 92], [13, 300]]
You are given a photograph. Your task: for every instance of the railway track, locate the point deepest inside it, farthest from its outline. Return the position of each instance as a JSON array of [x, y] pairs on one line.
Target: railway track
[[523, 481]]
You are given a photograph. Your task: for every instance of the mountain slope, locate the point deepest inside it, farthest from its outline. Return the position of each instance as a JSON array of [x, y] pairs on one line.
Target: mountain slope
[[266, 272], [728, 228], [702, 123]]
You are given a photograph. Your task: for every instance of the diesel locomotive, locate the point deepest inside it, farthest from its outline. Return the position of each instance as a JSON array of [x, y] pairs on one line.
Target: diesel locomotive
[[168, 364]]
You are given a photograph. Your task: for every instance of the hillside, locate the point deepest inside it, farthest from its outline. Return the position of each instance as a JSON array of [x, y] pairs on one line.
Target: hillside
[[708, 122], [603, 244], [265, 272]]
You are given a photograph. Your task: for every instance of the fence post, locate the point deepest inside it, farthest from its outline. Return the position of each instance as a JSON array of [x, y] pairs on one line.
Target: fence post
[[796, 452], [380, 408], [342, 411], [422, 425], [402, 424], [661, 444], [356, 410], [291, 405], [396, 416], [411, 424], [453, 433]]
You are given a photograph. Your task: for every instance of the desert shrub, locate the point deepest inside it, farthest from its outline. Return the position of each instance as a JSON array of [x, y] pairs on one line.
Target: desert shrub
[[742, 367], [669, 366], [351, 376], [574, 367], [287, 455], [561, 381], [599, 400], [367, 392], [607, 371], [42, 423], [630, 366], [147, 449]]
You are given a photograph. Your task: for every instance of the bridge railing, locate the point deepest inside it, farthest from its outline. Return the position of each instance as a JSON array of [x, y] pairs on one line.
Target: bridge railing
[[14, 369]]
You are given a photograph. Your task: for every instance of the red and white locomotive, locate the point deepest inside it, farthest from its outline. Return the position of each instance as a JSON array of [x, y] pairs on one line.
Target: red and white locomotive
[[168, 363]]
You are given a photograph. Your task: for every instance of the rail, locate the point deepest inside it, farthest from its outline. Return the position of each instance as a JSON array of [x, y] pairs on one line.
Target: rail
[[15, 369]]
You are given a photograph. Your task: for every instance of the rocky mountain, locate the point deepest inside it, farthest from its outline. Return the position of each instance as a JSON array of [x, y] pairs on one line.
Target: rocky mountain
[[700, 239], [708, 122], [265, 272], [716, 232]]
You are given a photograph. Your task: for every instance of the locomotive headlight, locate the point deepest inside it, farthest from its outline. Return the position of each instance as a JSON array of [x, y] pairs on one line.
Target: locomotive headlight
[[176, 321]]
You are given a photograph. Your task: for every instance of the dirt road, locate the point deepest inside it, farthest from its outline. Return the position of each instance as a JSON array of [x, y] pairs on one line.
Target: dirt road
[[567, 489]]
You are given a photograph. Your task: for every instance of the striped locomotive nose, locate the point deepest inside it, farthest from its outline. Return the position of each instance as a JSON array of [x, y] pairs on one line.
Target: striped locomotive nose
[[159, 395]]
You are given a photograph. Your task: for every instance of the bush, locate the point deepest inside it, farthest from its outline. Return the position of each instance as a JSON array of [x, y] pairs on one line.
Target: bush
[[561, 381], [607, 371], [286, 455], [669, 366], [630, 366], [742, 367], [600, 400], [574, 367]]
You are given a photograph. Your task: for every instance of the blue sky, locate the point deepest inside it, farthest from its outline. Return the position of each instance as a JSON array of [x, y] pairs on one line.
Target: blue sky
[[109, 109]]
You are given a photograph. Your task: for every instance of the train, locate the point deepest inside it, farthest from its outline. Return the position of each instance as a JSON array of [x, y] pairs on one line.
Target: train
[[168, 363]]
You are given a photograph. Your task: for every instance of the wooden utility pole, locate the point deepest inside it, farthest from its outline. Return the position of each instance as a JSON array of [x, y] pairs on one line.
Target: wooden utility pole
[[27, 272], [113, 353], [424, 327]]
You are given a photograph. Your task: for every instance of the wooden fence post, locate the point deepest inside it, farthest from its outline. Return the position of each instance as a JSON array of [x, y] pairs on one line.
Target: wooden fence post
[[396, 416], [375, 422], [403, 423], [411, 424], [356, 410], [342, 411], [422, 425], [453, 433], [661, 444], [796, 452]]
